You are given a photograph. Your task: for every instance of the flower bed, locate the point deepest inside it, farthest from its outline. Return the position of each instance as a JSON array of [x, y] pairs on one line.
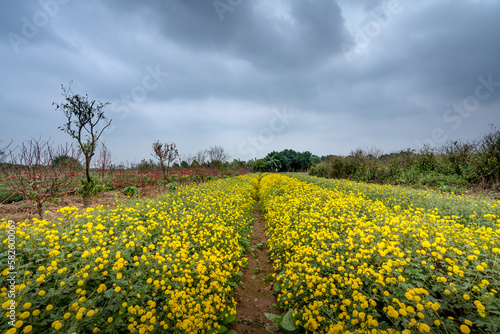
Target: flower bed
[[167, 264], [347, 264]]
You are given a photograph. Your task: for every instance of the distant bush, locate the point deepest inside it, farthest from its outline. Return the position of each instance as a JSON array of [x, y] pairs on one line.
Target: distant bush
[[9, 196], [456, 164], [173, 178]]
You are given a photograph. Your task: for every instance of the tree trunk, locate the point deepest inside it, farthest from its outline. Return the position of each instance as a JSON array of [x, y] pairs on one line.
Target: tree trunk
[[87, 201], [39, 208]]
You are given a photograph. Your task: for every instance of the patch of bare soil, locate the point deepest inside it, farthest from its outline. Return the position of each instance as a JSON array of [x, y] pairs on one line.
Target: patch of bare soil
[[254, 293], [20, 211]]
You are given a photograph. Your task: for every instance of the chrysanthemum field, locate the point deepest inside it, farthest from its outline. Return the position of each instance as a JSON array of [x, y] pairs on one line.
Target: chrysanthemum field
[[348, 264], [348, 257], [165, 265]]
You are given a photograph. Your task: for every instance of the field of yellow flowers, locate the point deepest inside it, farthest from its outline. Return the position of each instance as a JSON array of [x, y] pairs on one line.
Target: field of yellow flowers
[[347, 262], [155, 266], [462, 209]]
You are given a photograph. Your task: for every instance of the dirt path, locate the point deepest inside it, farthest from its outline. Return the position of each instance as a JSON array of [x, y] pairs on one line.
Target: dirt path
[[254, 294]]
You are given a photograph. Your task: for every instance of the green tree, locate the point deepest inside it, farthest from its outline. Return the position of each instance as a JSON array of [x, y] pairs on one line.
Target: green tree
[[272, 162], [85, 123], [64, 160], [259, 165]]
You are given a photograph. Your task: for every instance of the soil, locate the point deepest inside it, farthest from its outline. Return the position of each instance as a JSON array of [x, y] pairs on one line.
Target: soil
[[254, 294], [25, 209]]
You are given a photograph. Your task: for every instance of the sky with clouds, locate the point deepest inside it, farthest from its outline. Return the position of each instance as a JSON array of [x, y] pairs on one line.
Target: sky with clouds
[[252, 75]]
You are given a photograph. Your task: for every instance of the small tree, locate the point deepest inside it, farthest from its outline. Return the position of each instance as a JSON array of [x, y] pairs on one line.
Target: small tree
[[189, 159], [217, 155], [272, 162], [201, 157], [83, 118], [35, 175], [3, 150], [166, 153], [103, 163]]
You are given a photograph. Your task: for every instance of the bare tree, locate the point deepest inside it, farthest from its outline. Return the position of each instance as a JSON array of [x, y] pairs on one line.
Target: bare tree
[[189, 158], [83, 118], [3, 150], [103, 163], [41, 172], [218, 154], [166, 153], [201, 157]]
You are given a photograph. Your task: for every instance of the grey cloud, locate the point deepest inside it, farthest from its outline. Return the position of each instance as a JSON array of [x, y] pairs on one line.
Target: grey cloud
[[225, 76]]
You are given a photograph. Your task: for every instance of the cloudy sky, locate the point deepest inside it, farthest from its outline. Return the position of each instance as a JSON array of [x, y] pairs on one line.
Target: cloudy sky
[[252, 75]]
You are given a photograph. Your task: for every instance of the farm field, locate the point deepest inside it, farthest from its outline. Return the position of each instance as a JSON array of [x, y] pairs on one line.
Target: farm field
[[347, 263], [464, 209], [167, 264], [348, 258], [111, 186]]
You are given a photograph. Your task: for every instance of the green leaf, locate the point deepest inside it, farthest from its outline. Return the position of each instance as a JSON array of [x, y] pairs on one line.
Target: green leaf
[[276, 287], [274, 318], [229, 319], [231, 332], [222, 329], [287, 324], [253, 277]]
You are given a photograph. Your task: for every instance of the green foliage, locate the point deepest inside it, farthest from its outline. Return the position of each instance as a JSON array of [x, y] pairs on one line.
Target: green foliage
[[288, 161], [238, 164], [454, 166], [85, 123], [174, 178], [9, 196], [146, 165], [489, 157], [286, 323], [131, 191], [65, 161], [172, 186], [92, 188], [82, 119], [259, 166]]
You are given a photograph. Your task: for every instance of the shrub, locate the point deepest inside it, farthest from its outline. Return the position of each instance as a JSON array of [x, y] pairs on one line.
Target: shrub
[[8, 195], [174, 178], [488, 162], [131, 191]]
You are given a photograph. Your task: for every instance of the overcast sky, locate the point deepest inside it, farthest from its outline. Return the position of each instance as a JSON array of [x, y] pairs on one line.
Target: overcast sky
[[252, 75]]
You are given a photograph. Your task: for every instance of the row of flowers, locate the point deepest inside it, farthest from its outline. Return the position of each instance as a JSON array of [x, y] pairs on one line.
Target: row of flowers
[[462, 209], [163, 265], [348, 264]]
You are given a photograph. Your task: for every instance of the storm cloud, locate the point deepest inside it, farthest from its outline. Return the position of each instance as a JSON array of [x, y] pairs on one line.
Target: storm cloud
[[254, 76]]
